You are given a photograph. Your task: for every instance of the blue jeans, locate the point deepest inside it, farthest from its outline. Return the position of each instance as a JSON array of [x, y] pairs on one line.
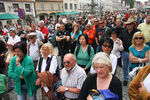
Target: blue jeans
[[99, 48], [24, 92], [126, 64]]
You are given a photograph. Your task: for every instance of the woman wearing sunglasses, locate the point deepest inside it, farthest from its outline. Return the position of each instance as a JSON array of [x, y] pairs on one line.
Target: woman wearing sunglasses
[[138, 51]]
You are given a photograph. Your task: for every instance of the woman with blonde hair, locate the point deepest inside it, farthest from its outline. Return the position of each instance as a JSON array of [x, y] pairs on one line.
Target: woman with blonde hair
[[47, 65], [138, 51], [74, 36]]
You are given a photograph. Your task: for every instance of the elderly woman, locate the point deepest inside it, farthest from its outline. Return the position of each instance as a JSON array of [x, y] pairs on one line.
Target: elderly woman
[[21, 70], [46, 69], [13, 37], [103, 81], [138, 51], [139, 86]]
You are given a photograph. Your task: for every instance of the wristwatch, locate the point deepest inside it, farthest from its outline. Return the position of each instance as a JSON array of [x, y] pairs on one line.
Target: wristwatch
[[66, 89]]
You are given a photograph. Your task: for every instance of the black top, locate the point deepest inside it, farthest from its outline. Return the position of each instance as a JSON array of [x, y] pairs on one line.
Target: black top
[[126, 38], [68, 27], [90, 83]]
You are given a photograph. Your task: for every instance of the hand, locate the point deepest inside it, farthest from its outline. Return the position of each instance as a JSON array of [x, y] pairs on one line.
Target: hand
[[21, 77], [85, 68], [42, 84], [61, 89], [89, 97], [142, 87], [38, 81], [75, 29], [18, 61]]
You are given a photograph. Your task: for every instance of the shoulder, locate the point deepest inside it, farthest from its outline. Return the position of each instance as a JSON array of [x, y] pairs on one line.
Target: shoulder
[[3, 75], [79, 70], [147, 47], [115, 81], [28, 58], [131, 47], [13, 58]]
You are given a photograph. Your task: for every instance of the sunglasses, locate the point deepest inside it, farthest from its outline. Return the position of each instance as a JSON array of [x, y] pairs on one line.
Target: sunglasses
[[138, 38], [30, 37], [109, 46], [68, 62]]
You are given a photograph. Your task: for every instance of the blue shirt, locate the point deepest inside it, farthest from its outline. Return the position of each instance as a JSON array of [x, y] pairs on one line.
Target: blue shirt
[[139, 54], [76, 35]]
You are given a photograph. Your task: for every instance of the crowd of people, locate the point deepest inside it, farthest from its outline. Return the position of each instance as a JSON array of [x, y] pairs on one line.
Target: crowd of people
[[91, 49]]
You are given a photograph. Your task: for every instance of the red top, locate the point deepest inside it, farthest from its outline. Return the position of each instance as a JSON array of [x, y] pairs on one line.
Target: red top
[[44, 30], [90, 34]]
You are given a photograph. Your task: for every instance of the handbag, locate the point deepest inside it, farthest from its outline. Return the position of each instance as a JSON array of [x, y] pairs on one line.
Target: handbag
[[135, 71]]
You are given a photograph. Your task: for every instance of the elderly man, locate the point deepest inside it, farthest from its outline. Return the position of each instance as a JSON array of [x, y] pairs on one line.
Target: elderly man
[[44, 30], [34, 47], [72, 77]]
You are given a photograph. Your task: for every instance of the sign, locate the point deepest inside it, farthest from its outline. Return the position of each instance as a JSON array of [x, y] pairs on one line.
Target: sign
[[20, 13]]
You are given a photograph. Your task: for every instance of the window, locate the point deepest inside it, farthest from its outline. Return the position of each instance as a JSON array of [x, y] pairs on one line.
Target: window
[[66, 6], [52, 7], [2, 8], [27, 6], [59, 7], [42, 7], [70, 5], [15, 7], [75, 6]]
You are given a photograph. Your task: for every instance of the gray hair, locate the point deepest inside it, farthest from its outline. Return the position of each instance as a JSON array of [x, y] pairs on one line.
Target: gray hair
[[102, 58]]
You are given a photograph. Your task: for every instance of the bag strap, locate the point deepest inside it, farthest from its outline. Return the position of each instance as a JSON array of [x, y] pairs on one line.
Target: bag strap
[[89, 50], [48, 63], [77, 51]]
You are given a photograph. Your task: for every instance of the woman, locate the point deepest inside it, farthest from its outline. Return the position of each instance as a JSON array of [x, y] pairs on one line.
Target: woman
[[117, 47], [107, 46], [90, 34], [139, 87], [21, 70], [13, 37], [47, 65], [84, 53], [138, 51], [74, 36], [103, 80]]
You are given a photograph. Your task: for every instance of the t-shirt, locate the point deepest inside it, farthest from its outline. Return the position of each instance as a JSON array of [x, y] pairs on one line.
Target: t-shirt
[[76, 35], [3, 81], [139, 54]]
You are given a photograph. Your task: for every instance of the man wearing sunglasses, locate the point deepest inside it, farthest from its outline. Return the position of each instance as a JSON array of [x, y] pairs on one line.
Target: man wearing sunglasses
[[34, 47], [72, 77], [126, 38]]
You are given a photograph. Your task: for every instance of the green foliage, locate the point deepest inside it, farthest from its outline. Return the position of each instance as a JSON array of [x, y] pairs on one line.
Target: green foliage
[[132, 3]]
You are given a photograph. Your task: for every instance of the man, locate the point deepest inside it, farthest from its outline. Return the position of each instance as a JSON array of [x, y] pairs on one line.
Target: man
[[39, 34], [44, 30], [145, 28], [118, 27], [34, 47], [101, 32], [21, 33], [88, 21], [59, 22], [72, 77], [126, 38], [63, 39], [68, 26]]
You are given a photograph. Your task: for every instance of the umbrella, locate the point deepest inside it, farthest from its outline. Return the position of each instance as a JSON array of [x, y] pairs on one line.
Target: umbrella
[[62, 13], [8, 16], [148, 7]]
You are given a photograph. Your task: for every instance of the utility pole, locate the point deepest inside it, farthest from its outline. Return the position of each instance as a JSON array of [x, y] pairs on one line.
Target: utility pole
[[92, 5]]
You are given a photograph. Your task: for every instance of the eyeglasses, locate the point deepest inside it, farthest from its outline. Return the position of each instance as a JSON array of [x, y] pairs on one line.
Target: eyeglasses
[[109, 46], [138, 38], [68, 62]]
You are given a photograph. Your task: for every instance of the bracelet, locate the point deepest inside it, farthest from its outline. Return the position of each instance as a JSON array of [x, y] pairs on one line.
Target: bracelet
[[140, 60]]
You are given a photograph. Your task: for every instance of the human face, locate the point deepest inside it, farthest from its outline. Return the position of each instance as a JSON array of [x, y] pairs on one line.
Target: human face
[[102, 70], [82, 40], [33, 27], [148, 20], [114, 35], [69, 63], [118, 22], [62, 27], [32, 39], [101, 24], [12, 33], [106, 47], [130, 26], [45, 51], [138, 39], [19, 53], [19, 28]]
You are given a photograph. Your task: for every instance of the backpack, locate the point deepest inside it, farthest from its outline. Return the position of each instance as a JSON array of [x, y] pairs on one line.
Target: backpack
[[88, 49]]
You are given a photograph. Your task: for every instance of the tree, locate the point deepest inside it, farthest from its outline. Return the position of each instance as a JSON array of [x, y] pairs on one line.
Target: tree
[[132, 3]]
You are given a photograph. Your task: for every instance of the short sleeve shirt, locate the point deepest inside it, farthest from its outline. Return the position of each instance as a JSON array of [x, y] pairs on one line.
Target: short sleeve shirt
[[3, 81]]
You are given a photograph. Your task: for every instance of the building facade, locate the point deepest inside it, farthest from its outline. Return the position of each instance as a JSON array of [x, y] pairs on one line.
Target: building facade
[[70, 5]]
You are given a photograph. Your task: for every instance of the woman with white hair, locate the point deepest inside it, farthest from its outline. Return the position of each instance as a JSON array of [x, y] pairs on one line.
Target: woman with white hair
[[47, 65], [103, 81]]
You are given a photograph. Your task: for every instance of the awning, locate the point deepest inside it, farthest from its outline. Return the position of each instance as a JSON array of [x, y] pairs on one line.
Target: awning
[[8, 16], [67, 13]]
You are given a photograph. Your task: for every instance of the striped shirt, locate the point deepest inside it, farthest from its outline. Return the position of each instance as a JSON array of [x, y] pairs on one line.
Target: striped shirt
[[73, 80]]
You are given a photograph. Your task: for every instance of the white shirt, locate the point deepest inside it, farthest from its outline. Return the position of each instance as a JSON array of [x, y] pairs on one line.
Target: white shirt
[[113, 59], [39, 35], [15, 39], [53, 65], [64, 20], [34, 51]]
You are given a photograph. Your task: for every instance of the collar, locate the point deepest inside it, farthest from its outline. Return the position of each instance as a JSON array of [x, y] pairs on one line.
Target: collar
[[36, 42]]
